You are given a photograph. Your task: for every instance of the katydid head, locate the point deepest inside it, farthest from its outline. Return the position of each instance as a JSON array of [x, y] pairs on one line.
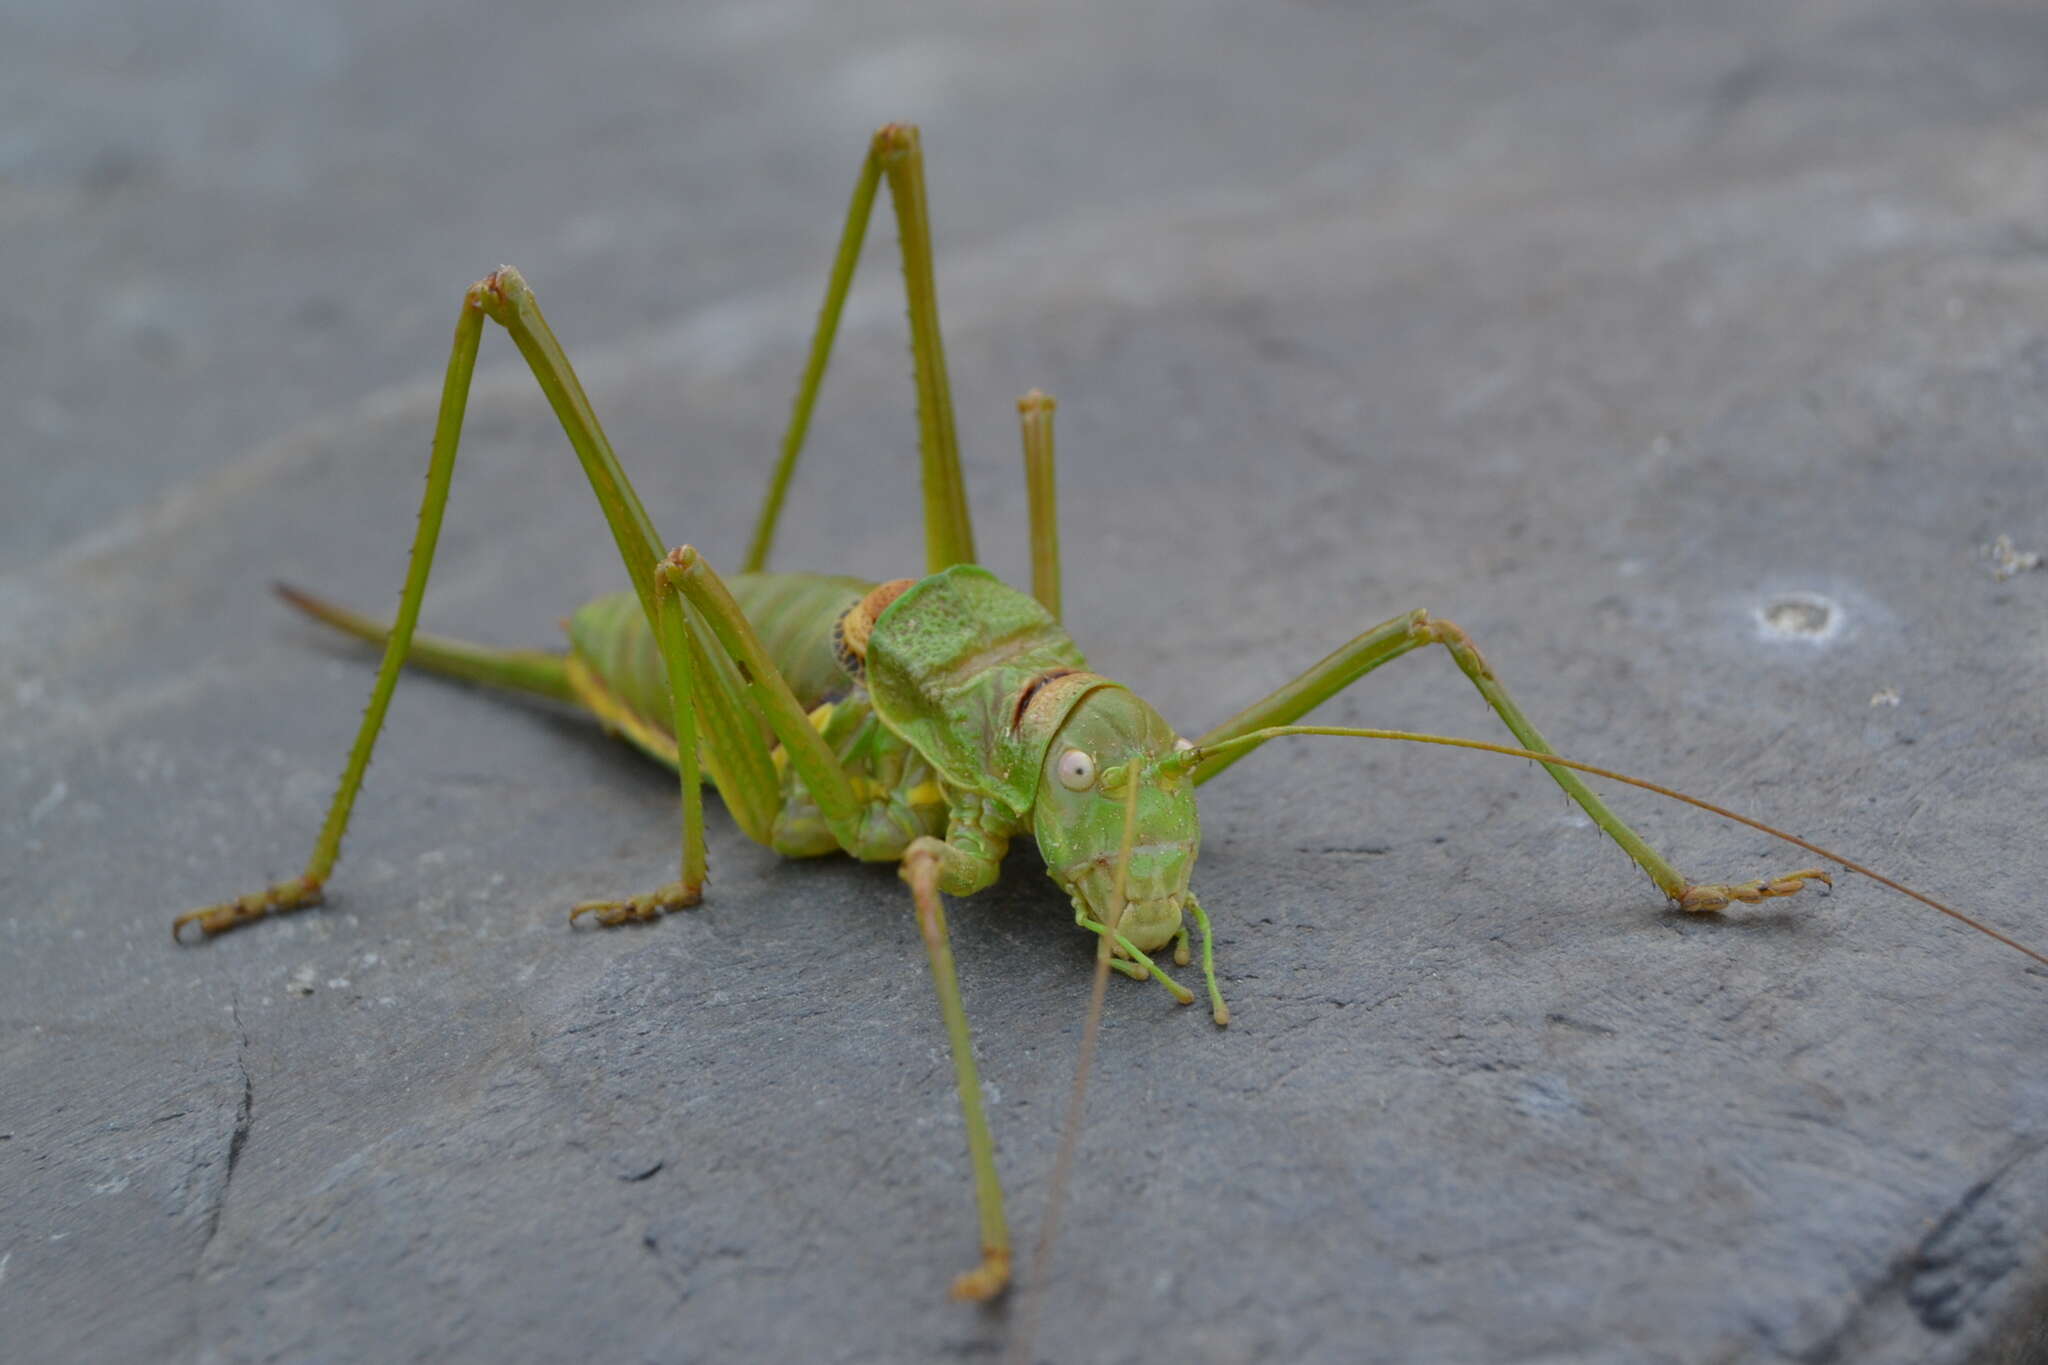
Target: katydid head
[[1111, 739]]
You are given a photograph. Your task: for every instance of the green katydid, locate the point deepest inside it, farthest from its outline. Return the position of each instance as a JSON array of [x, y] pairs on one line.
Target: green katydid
[[925, 722]]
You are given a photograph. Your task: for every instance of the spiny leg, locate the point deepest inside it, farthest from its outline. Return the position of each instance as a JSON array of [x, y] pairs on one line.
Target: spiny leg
[[1390, 640], [763, 690], [992, 1276], [738, 760], [537, 672], [705, 689], [671, 635], [698, 623], [894, 153], [927, 865], [305, 889], [680, 580], [901, 796]]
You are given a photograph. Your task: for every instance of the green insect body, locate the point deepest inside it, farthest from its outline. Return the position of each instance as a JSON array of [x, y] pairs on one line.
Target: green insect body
[[614, 668], [988, 688], [794, 614], [928, 722], [953, 716]]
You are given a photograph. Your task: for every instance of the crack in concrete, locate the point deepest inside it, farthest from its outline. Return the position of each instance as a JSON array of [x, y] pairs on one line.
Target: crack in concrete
[[1941, 1313], [236, 1139]]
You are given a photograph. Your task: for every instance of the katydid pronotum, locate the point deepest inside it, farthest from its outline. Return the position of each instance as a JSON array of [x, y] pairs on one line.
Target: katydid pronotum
[[925, 722]]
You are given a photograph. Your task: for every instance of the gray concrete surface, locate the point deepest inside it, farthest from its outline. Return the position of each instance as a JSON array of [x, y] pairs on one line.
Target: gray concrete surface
[[1596, 327]]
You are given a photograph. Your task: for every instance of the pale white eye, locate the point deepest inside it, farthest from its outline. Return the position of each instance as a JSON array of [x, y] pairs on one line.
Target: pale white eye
[[1076, 770], [1183, 745]]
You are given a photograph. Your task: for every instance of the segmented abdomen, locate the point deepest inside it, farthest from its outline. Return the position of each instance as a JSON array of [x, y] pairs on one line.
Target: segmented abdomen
[[793, 613]]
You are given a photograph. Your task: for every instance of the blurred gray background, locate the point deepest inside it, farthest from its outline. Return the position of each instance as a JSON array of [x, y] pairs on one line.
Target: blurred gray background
[[1610, 331]]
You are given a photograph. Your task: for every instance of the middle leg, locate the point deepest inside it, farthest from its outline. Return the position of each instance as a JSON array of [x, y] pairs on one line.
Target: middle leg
[[685, 575]]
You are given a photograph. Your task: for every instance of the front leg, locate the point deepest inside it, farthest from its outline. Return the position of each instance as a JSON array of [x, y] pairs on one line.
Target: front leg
[[901, 796], [968, 859], [1416, 629], [965, 861]]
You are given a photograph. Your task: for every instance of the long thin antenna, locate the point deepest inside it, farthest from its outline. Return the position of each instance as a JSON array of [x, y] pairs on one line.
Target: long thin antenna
[[1077, 1100], [1186, 760]]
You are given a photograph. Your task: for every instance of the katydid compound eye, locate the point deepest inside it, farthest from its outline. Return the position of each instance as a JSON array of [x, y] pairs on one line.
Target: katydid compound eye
[[1181, 746], [1076, 770]]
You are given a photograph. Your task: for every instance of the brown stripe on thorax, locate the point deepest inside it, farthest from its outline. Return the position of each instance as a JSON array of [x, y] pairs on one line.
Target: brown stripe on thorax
[[1049, 690]]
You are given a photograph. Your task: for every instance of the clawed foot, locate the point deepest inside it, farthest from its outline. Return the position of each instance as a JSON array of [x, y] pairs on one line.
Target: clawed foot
[[986, 1280], [1701, 900], [640, 909], [278, 899]]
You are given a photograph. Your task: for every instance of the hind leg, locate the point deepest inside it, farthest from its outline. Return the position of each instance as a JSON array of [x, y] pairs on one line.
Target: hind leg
[[734, 752], [894, 154]]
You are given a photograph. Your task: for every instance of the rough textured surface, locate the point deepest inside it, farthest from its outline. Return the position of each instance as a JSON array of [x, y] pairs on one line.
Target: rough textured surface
[[1596, 327]]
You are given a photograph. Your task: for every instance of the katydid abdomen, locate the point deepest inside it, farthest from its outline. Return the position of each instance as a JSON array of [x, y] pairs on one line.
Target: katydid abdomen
[[613, 669], [615, 664]]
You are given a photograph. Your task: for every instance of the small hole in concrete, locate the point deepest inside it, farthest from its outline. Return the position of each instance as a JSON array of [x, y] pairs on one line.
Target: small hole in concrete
[[1798, 616]]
